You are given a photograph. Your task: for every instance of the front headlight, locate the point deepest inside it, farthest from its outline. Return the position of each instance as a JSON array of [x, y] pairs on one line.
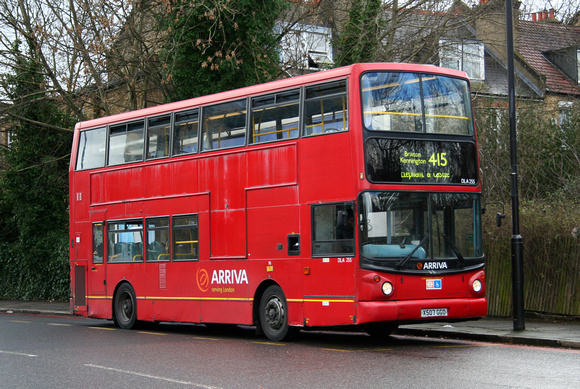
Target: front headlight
[[387, 288], [477, 285]]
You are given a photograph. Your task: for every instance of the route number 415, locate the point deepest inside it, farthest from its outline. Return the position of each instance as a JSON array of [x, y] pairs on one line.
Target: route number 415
[[438, 159]]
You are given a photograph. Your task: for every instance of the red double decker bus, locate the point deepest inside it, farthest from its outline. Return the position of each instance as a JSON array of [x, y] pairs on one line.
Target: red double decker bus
[[348, 197]]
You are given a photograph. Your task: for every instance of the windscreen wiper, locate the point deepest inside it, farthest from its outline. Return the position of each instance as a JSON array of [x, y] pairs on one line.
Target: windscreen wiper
[[404, 260], [455, 250]]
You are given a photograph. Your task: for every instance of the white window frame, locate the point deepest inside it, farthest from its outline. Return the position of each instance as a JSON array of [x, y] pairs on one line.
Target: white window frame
[[305, 45], [465, 55], [564, 111], [578, 65], [9, 138]]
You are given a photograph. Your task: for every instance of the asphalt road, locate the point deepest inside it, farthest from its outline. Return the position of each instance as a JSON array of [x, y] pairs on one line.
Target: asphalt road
[[68, 352]]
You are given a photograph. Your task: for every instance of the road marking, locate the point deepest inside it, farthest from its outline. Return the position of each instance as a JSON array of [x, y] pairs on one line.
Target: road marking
[[358, 351], [15, 353], [20, 321], [152, 376], [204, 338], [151, 333], [458, 345], [102, 328], [270, 343], [59, 324]]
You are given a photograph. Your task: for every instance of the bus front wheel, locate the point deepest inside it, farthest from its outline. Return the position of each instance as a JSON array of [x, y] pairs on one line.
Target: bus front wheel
[[274, 315], [125, 305]]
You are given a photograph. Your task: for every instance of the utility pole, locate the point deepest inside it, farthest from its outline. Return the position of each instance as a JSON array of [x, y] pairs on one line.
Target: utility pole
[[517, 242]]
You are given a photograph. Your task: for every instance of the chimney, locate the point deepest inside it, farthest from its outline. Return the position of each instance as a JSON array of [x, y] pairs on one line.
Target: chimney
[[552, 14], [534, 17]]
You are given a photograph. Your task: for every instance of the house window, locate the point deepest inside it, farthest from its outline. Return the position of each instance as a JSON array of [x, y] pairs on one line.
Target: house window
[[464, 55], [578, 65], [305, 46], [564, 111]]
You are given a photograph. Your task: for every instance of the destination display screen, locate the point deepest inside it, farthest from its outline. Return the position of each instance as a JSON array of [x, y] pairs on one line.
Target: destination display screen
[[420, 161]]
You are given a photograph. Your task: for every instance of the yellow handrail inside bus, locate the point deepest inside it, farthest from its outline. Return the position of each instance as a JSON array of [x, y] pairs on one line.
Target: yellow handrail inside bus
[[186, 241], [414, 114], [275, 132]]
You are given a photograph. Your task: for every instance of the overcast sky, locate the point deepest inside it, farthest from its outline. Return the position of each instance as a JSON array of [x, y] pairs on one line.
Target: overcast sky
[[564, 8]]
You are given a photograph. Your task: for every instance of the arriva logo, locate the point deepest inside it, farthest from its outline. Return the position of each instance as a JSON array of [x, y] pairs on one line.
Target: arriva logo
[[432, 265], [229, 277], [202, 280]]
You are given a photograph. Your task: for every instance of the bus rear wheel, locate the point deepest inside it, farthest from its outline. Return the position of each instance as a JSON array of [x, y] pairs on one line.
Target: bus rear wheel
[[125, 307], [274, 315]]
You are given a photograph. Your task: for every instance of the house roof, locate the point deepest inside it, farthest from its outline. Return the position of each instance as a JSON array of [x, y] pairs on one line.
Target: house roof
[[535, 39]]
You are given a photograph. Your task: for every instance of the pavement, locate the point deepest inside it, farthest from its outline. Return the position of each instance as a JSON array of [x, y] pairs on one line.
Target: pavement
[[538, 332]]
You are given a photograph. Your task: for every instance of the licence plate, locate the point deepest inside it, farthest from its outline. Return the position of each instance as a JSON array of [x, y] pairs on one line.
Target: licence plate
[[433, 312]]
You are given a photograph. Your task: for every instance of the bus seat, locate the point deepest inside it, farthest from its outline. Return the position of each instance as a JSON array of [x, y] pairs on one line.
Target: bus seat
[[155, 251]]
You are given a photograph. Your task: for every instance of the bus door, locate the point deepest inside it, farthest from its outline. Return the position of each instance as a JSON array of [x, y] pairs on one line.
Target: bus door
[[97, 269], [329, 282]]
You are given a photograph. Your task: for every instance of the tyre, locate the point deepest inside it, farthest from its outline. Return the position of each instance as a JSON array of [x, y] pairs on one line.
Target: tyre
[[274, 315], [125, 307]]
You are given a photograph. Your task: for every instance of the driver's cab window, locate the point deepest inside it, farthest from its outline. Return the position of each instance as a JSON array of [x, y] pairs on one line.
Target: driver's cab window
[[333, 229]]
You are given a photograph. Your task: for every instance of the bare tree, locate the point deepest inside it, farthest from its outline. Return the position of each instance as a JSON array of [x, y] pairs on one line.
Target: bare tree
[[98, 56]]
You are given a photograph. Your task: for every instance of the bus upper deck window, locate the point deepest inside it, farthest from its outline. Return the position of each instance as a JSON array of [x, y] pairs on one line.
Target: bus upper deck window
[[126, 143], [412, 102], [158, 132], [275, 117], [224, 125], [186, 127], [91, 151], [325, 108]]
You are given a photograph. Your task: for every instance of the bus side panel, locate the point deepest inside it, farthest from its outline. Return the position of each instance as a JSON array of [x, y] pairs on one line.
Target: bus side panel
[[326, 168], [270, 226], [228, 312], [224, 289], [224, 178], [274, 165], [325, 311], [329, 291]]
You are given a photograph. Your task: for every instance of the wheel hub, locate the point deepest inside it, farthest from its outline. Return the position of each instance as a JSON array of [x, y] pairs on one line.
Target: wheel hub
[[274, 313]]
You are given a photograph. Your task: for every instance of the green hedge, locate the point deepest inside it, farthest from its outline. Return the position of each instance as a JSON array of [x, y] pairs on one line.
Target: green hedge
[[45, 277], [551, 259]]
